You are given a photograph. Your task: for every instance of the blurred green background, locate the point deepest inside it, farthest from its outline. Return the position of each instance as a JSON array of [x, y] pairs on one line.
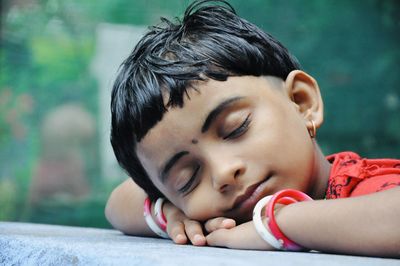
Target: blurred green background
[[52, 122]]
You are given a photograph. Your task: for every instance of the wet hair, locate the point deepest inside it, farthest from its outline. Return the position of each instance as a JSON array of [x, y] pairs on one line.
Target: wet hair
[[210, 42]]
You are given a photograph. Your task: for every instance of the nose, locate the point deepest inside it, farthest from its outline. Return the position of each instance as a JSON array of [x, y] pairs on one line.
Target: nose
[[226, 172]]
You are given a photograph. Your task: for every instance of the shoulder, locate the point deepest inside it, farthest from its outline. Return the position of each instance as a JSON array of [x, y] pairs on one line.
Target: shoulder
[[376, 184], [352, 175]]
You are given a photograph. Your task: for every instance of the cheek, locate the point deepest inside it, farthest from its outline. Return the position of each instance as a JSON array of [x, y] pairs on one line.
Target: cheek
[[200, 214], [195, 206], [296, 163], [283, 143], [201, 207]]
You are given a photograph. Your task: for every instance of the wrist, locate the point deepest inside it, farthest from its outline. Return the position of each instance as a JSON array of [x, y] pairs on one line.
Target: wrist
[[288, 220], [170, 210], [287, 197], [272, 232]]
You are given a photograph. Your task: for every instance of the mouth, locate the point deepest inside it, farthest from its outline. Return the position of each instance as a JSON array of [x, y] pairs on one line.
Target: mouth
[[251, 196]]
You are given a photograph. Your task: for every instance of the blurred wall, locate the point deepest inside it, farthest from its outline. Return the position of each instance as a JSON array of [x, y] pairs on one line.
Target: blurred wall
[[113, 44]]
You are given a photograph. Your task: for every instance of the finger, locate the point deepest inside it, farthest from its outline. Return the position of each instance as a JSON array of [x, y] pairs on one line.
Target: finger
[[218, 238], [219, 223], [243, 236], [194, 231], [175, 226], [176, 230]]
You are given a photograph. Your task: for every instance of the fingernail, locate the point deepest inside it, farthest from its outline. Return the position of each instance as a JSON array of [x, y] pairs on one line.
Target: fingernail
[[198, 239], [228, 222], [180, 238]]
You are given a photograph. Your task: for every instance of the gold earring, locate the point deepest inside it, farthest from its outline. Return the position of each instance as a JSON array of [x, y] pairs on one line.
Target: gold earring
[[313, 130]]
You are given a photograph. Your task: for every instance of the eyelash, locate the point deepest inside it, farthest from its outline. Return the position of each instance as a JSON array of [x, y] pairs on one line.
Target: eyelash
[[240, 130], [186, 187]]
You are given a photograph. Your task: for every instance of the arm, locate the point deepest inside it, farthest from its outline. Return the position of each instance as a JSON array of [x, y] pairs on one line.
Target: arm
[[366, 225], [124, 209]]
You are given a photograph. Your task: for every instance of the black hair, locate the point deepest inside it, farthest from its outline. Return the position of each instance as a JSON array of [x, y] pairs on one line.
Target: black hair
[[211, 42]]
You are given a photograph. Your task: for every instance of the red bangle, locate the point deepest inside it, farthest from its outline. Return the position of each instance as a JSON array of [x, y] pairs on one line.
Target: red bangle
[[287, 196]]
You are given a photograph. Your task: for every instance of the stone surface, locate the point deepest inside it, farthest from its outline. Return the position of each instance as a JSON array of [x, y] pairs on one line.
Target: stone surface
[[37, 244]]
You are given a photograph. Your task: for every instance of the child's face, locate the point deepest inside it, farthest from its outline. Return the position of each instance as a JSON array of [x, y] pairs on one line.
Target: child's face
[[231, 144]]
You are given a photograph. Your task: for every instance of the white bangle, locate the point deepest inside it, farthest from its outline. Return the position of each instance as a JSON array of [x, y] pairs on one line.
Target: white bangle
[[261, 227], [158, 213], [150, 222]]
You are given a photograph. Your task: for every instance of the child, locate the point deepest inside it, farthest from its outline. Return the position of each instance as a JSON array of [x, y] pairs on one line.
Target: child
[[214, 114]]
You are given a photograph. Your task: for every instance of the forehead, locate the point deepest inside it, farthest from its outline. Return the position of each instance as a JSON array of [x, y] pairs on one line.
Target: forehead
[[180, 126]]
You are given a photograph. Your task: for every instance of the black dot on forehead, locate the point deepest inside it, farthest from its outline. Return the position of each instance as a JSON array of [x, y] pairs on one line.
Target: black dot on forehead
[[195, 141]]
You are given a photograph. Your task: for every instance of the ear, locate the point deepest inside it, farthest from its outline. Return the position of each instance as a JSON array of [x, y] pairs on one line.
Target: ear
[[304, 92]]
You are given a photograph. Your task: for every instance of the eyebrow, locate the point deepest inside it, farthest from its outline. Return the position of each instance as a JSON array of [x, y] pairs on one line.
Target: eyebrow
[[212, 116]]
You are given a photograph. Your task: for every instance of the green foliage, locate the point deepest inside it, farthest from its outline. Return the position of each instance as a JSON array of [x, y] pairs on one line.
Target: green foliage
[[7, 199], [68, 211]]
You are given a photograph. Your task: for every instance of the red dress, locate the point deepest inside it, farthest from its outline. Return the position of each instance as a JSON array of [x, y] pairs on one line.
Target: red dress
[[352, 175]]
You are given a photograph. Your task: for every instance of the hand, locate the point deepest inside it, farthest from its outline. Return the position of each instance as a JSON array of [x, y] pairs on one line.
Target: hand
[[180, 228], [243, 236]]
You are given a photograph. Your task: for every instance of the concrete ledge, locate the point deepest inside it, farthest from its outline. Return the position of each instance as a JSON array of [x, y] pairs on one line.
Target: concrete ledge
[[36, 244]]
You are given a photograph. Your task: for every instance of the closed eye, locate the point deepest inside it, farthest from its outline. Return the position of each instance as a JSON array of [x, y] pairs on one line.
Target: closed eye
[[239, 130], [187, 188]]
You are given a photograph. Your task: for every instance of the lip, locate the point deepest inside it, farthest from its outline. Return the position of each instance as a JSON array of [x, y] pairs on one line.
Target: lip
[[252, 194]]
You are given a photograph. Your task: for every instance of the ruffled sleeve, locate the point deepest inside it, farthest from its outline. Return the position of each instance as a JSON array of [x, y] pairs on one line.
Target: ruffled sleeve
[[352, 175]]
